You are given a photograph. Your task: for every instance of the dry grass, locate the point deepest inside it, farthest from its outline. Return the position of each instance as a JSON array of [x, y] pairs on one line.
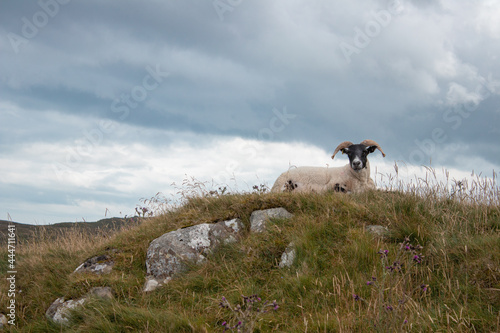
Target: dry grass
[[475, 189], [453, 287]]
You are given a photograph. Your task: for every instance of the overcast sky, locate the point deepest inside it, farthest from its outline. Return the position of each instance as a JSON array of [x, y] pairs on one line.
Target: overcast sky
[[106, 102]]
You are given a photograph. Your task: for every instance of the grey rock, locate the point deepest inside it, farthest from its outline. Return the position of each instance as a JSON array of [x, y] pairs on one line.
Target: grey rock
[[151, 284], [259, 218], [377, 230], [3, 320], [170, 253], [288, 256], [102, 264], [101, 292], [60, 310]]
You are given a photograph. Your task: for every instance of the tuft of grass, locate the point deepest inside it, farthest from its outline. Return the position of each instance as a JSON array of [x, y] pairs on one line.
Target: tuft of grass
[[454, 286]]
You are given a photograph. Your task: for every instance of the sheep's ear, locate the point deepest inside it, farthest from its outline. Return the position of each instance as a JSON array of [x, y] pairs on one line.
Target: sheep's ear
[[372, 145], [342, 147], [371, 149], [345, 150]]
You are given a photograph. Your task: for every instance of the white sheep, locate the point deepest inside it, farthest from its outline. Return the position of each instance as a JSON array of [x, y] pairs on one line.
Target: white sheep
[[353, 177]]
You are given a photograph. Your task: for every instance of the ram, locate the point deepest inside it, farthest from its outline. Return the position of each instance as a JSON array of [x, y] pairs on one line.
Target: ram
[[353, 177]]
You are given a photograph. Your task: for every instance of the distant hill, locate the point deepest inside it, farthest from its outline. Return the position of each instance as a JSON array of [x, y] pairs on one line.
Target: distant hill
[[26, 231]]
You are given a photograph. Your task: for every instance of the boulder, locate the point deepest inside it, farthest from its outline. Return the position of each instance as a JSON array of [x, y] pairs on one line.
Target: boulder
[[172, 252], [259, 218], [60, 310]]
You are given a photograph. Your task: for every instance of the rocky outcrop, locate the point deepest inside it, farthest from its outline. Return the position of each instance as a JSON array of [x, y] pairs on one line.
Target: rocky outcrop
[[60, 310], [260, 218], [170, 253]]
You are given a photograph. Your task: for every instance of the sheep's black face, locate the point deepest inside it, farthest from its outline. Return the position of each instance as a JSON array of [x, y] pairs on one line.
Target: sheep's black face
[[357, 155]]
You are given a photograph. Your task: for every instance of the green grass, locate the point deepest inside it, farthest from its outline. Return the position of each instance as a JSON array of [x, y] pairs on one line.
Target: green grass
[[335, 259]]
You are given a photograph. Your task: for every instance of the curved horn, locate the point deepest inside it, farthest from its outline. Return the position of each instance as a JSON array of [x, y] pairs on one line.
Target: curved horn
[[343, 145], [369, 143]]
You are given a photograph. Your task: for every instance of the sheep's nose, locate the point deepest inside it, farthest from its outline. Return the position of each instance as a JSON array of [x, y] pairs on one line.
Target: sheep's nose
[[356, 164]]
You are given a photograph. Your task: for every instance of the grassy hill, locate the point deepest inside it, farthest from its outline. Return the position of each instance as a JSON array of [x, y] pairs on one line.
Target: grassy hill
[[437, 270]]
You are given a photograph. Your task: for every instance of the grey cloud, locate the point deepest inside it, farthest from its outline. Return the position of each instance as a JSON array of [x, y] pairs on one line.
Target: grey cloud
[[406, 74]]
